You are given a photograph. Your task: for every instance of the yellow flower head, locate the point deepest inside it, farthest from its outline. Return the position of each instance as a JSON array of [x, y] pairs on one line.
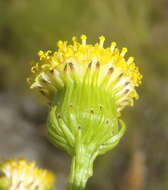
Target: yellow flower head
[[22, 175], [87, 87], [93, 65]]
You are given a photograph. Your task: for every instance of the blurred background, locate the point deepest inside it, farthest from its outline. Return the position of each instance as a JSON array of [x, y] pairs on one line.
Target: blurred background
[[140, 162]]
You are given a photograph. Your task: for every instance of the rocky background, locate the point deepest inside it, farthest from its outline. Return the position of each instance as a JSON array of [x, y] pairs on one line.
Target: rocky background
[[141, 160]]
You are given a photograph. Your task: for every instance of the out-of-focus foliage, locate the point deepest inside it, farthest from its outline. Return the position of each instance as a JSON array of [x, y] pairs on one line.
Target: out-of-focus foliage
[[26, 26]]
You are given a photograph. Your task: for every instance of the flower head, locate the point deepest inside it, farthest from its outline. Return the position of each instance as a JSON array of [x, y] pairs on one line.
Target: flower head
[[22, 175], [92, 65], [87, 87]]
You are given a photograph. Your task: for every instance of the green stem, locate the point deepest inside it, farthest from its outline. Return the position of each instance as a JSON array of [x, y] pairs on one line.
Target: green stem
[[81, 170]]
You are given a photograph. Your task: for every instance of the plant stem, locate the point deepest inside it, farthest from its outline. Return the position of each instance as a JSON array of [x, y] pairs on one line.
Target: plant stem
[[81, 170]]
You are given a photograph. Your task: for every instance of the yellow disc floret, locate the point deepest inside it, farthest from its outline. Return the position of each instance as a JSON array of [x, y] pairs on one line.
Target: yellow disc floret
[[70, 63], [23, 175]]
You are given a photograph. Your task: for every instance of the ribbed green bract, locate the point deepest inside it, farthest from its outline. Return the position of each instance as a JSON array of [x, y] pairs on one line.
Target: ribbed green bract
[[84, 122], [84, 116]]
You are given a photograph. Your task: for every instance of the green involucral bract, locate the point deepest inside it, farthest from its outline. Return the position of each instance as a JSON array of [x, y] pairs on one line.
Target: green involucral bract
[[82, 117], [81, 123]]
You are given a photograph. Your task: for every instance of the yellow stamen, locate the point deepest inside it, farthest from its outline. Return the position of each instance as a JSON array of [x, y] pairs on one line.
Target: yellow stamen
[[123, 52], [113, 45], [101, 41], [130, 60], [84, 38]]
